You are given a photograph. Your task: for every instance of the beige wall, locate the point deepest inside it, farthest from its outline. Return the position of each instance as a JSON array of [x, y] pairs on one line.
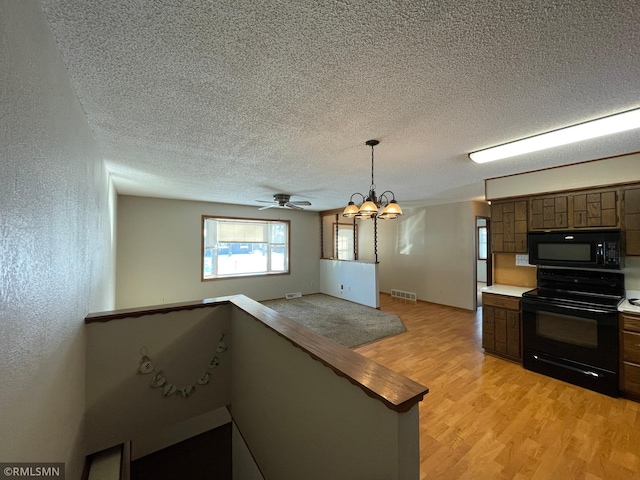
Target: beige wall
[[159, 245], [56, 250], [607, 171], [302, 421], [121, 405], [431, 251]]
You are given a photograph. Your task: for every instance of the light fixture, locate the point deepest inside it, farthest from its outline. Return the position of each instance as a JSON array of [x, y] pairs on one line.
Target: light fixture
[[583, 131], [384, 207]]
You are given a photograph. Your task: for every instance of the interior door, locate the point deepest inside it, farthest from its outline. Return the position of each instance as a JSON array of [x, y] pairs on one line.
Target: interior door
[[484, 264]]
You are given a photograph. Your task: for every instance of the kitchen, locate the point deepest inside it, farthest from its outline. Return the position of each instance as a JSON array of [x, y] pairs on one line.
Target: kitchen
[[581, 232]]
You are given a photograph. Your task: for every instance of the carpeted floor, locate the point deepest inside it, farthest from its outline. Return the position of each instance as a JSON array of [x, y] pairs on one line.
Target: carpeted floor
[[347, 323]]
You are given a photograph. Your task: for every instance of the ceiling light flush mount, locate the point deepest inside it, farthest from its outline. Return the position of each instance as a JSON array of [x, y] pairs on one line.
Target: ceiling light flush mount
[[384, 206], [583, 131]]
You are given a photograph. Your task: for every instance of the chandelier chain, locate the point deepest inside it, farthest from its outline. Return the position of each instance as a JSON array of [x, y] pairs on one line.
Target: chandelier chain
[[373, 185], [384, 206]]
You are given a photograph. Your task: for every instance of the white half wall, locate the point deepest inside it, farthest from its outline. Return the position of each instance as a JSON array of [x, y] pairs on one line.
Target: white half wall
[[56, 245], [354, 281], [159, 253], [431, 251]]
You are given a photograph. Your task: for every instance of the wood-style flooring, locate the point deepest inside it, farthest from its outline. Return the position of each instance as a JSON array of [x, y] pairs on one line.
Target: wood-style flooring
[[487, 418]]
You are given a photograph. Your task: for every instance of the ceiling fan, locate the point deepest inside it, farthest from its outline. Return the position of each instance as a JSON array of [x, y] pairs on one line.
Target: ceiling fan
[[281, 200]]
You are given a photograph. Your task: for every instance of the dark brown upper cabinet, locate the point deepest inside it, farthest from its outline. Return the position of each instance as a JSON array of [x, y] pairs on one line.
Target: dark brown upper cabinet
[[549, 212], [581, 209], [632, 220], [509, 227]]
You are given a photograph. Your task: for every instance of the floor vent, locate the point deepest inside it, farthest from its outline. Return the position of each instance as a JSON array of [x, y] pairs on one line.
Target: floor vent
[[293, 295], [406, 295]]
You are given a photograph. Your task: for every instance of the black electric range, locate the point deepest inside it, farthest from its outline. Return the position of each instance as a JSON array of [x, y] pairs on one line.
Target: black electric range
[[570, 327]]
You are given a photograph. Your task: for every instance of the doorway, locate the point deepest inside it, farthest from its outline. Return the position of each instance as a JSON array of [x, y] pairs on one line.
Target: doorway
[[484, 266]]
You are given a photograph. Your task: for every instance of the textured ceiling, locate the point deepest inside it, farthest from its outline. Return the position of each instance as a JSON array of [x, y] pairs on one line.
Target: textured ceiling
[[235, 100]]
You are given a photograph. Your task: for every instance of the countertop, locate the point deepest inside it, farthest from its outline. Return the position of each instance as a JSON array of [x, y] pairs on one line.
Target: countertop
[[511, 291], [508, 290], [626, 307]]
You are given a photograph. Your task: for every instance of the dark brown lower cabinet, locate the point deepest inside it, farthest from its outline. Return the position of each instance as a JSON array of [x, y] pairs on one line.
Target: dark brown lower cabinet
[[501, 330], [630, 355]]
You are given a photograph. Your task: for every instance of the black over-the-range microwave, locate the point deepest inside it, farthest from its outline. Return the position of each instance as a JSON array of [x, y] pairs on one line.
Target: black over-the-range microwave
[[577, 248]]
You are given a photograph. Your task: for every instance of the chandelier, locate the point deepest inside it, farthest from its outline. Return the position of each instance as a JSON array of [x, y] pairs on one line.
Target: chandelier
[[384, 206]]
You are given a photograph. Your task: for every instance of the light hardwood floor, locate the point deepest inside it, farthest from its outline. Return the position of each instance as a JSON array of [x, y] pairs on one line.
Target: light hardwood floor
[[487, 418]]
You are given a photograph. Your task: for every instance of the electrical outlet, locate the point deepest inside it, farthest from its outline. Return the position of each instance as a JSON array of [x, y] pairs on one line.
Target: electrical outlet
[[523, 261]]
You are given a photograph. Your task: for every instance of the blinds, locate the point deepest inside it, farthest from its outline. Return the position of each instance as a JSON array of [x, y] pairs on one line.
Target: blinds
[[242, 232]]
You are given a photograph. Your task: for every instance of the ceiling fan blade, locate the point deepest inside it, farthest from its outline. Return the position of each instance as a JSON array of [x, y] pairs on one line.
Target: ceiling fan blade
[[268, 206], [300, 202], [266, 201], [291, 205]]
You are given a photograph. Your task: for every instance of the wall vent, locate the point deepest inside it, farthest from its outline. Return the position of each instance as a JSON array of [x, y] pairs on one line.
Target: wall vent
[[406, 295], [293, 295]]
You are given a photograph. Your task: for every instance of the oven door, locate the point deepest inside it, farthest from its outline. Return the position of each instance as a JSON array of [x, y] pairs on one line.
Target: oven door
[[575, 344]]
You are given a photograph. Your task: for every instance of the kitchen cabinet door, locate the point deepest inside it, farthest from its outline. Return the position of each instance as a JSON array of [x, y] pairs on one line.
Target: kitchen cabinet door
[[595, 209], [632, 220], [630, 355], [549, 212], [509, 227], [501, 326]]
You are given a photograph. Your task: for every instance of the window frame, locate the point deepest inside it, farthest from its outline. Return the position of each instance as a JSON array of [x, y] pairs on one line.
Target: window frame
[[268, 247]]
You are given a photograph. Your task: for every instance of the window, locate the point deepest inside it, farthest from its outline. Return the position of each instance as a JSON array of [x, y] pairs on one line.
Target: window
[[345, 241], [482, 243], [233, 247]]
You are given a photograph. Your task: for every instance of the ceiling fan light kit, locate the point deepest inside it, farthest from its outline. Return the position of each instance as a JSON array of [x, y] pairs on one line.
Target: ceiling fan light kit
[[384, 207], [600, 127]]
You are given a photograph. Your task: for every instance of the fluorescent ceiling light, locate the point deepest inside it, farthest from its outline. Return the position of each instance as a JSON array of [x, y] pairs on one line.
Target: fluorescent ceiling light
[[576, 133]]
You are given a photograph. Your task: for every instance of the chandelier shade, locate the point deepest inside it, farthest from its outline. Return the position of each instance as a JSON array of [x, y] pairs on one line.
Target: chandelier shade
[[392, 210], [351, 210], [384, 207]]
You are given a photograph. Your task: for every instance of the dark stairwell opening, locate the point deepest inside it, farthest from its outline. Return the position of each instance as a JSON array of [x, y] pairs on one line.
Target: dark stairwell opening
[[204, 456]]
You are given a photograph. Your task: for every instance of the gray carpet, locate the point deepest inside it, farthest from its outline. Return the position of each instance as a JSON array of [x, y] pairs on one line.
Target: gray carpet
[[344, 322]]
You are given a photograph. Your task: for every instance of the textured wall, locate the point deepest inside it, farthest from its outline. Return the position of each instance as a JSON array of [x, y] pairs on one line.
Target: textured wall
[[55, 245], [121, 405], [159, 245]]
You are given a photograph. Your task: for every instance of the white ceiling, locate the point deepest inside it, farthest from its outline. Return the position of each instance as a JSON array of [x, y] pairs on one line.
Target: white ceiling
[[235, 100]]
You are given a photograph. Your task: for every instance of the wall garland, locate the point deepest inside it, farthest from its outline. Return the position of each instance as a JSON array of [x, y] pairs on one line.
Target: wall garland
[[158, 380]]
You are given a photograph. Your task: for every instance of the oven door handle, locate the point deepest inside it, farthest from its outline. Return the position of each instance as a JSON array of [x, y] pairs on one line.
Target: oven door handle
[[584, 372], [567, 307]]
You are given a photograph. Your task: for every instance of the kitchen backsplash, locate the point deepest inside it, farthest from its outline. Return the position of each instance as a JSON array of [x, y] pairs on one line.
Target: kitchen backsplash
[[506, 272]]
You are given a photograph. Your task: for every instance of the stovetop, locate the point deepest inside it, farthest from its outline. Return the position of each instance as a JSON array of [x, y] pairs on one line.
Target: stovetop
[[565, 297], [579, 287]]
